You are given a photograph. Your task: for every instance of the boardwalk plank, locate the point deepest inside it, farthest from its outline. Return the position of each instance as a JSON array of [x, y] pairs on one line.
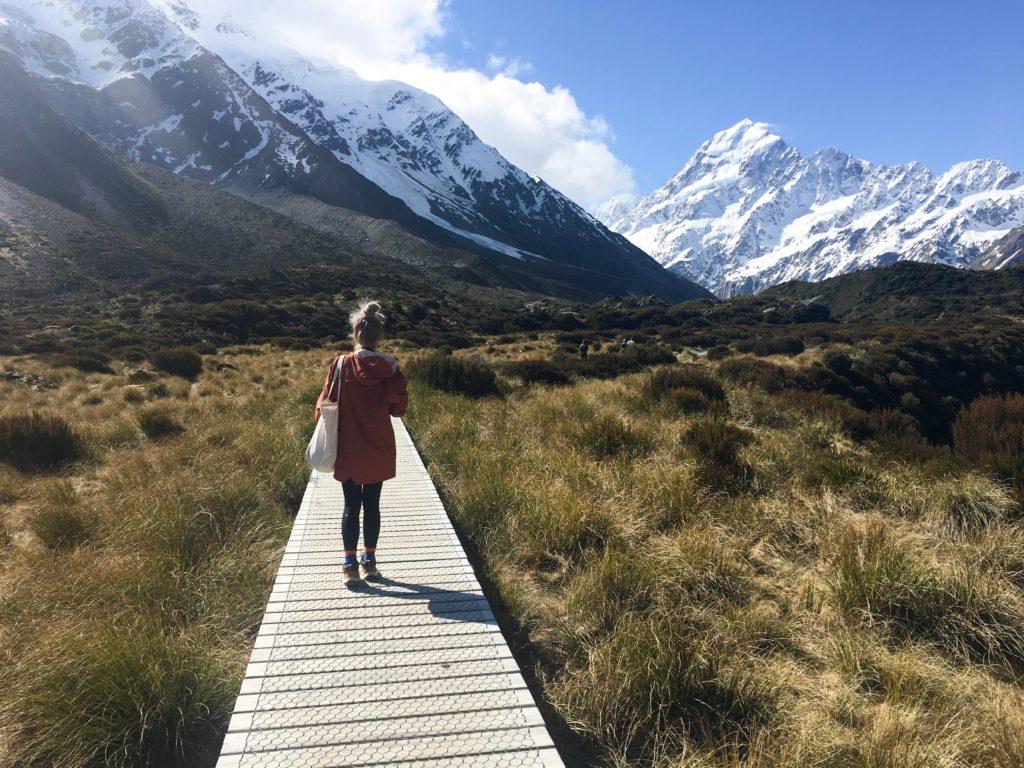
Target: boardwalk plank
[[412, 671]]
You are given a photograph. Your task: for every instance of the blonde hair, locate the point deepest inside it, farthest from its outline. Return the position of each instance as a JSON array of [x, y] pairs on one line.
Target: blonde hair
[[367, 325]]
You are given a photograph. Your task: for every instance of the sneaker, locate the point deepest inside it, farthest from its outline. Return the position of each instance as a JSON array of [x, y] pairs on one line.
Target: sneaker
[[350, 576], [368, 567]]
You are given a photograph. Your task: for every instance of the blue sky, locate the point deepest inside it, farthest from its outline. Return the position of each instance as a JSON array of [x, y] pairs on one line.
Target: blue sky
[[938, 82]]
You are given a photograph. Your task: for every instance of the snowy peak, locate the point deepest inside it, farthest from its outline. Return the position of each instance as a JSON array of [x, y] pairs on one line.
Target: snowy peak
[[748, 211], [975, 176], [740, 141], [411, 145]]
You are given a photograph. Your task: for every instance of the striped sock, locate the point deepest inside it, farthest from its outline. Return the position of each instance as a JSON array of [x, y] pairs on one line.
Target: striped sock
[[350, 557]]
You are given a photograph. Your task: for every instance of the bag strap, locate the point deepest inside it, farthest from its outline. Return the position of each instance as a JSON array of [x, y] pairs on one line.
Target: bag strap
[[335, 375], [337, 379]]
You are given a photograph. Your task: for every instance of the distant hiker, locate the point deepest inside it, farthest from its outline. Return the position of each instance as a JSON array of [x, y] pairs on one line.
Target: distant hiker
[[622, 345], [369, 390], [583, 349]]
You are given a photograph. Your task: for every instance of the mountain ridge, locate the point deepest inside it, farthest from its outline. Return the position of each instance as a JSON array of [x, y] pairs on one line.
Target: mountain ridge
[[149, 91], [748, 211], [96, 222]]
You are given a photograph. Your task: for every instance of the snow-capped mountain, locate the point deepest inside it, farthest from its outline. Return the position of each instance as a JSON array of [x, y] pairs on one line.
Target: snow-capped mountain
[[616, 208], [200, 96], [748, 211], [123, 72]]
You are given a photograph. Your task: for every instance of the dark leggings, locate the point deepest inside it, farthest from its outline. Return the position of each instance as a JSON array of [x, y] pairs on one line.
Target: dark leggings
[[367, 496]]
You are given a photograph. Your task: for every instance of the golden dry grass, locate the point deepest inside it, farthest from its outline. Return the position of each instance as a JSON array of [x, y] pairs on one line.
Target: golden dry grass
[[133, 579], [705, 582], [757, 589]]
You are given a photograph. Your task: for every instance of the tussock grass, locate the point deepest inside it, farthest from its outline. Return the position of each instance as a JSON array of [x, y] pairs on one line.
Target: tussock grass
[[968, 504], [685, 389], [713, 569], [463, 375], [663, 381], [761, 585], [156, 422], [132, 586], [159, 697], [61, 520], [608, 436], [716, 444], [34, 442], [880, 578]]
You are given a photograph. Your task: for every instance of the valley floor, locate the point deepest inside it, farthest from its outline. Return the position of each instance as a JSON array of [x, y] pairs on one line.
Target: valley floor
[[708, 573]]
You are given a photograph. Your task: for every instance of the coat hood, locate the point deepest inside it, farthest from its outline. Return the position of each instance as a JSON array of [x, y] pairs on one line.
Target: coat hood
[[371, 368]]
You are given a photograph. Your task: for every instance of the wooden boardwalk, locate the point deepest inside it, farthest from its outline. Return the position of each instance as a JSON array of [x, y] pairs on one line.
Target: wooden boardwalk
[[412, 671]]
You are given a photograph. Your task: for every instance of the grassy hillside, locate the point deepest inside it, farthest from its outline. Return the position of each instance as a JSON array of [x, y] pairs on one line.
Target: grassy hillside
[[142, 523], [910, 290]]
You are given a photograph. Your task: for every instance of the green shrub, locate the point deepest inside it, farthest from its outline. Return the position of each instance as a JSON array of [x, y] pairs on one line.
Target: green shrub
[[36, 442], [698, 378], [715, 443], [838, 361], [607, 436], [178, 361], [744, 370], [86, 362], [537, 372], [156, 423], [989, 434], [778, 345], [464, 376]]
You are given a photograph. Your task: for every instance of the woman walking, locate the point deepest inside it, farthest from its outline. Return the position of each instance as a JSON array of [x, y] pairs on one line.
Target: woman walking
[[369, 390]]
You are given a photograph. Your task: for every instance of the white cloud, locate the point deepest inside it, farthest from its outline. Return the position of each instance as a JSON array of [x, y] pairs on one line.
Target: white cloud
[[542, 129], [509, 67]]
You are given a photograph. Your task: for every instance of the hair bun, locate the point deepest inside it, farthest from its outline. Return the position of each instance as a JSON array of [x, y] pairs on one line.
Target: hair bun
[[367, 325]]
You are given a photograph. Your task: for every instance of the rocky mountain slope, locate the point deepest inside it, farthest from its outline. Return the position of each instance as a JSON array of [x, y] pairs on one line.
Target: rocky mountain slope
[[201, 98], [749, 211], [1007, 251], [77, 218]]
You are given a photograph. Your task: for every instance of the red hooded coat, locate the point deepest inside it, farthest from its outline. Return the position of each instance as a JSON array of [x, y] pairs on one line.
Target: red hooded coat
[[372, 390]]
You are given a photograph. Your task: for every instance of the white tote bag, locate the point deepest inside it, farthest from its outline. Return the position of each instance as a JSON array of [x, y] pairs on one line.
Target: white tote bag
[[322, 451]]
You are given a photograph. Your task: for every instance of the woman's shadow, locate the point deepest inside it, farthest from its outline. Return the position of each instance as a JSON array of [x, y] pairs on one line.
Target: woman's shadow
[[443, 603]]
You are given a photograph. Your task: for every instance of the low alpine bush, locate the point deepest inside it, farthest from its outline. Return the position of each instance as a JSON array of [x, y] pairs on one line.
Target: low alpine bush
[[36, 442], [156, 423], [178, 361], [464, 376]]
